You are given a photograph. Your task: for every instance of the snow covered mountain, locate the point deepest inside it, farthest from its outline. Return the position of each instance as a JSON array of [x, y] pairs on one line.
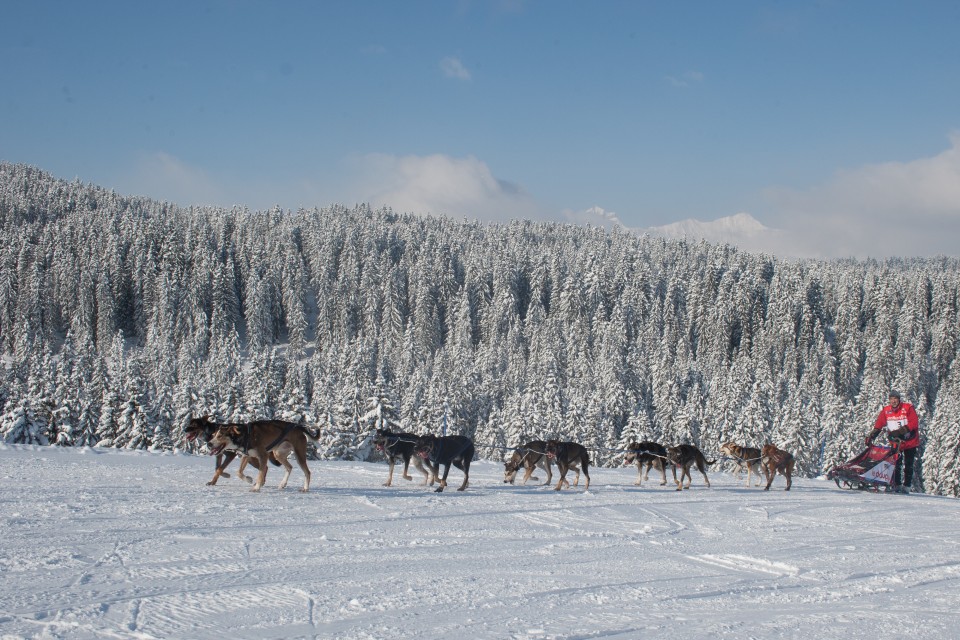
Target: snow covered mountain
[[734, 229]]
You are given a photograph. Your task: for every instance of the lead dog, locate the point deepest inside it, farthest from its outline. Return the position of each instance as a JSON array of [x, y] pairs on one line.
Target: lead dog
[[647, 453], [777, 460], [747, 458], [685, 456], [399, 446], [205, 428], [262, 438], [529, 456], [569, 455], [447, 450]]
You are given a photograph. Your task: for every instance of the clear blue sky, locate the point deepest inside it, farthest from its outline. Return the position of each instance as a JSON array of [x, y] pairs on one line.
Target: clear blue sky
[[842, 116]]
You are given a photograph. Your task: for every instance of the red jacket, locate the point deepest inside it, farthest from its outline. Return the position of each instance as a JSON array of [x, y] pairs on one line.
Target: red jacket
[[903, 416]]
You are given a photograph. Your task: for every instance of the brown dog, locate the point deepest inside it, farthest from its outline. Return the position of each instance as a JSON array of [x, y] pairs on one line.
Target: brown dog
[[264, 437], [685, 456], [747, 458], [777, 461], [530, 456], [569, 455], [650, 454]]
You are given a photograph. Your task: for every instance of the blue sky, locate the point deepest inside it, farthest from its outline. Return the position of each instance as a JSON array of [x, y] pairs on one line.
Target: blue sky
[[835, 125]]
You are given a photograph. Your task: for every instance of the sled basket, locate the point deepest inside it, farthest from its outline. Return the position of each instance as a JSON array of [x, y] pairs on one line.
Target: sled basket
[[872, 470]]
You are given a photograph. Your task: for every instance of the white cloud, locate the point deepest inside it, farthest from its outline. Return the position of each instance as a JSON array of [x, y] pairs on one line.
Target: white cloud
[[889, 209], [453, 68], [441, 185], [687, 79], [162, 176]]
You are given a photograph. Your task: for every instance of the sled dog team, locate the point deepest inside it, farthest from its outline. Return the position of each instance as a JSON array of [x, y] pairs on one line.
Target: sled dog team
[[264, 442]]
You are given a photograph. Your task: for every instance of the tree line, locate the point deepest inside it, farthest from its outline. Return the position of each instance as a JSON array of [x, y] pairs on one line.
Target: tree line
[[121, 317]]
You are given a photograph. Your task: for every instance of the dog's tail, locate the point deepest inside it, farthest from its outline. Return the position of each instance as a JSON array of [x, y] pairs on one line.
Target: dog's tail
[[709, 462], [312, 433]]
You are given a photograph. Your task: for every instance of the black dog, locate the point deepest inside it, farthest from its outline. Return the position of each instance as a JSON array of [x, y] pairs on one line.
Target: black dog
[[569, 455], [398, 446], [647, 453], [685, 456], [447, 450], [205, 428]]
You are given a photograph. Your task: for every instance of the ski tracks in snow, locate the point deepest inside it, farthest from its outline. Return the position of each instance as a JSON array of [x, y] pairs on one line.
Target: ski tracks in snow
[[127, 545]]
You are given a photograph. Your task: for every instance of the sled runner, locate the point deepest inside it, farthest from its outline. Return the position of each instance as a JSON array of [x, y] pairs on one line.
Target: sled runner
[[872, 470]]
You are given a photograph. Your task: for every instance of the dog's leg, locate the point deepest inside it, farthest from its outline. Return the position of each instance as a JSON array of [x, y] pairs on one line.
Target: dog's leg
[[287, 468], [443, 479], [663, 471], [418, 463], [221, 465], [576, 480], [218, 472], [679, 482], [302, 461], [406, 468], [686, 474], [637, 482], [261, 456], [585, 466], [769, 472], [244, 461], [546, 465], [527, 472], [390, 473], [562, 468], [465, 467], [702, 468]]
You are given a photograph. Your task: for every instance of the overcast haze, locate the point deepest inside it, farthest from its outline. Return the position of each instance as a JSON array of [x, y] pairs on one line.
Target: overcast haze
[[831, 128]]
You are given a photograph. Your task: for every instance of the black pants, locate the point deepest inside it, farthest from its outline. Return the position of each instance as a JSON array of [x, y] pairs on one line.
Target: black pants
[[905, 462]]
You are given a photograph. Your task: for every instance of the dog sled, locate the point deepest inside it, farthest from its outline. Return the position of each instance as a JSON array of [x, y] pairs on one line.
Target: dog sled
[[872, 470]]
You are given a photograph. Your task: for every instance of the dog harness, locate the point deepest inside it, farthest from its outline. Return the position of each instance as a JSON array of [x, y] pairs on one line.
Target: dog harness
[[283, 435]]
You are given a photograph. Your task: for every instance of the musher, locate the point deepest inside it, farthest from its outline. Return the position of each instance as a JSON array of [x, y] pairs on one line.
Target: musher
[[899, 420]]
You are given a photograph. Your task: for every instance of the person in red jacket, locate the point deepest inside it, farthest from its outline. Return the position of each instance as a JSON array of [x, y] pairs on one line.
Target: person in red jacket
[[899, 420]]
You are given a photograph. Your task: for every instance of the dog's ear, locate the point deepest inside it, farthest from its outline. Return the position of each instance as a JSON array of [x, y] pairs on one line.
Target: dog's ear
[[234, 430]]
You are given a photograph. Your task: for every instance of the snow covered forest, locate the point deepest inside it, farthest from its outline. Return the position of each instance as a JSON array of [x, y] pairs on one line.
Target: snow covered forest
[[121, 317]]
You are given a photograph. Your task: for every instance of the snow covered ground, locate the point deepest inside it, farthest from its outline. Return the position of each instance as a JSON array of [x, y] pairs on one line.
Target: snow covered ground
[[117, 544]]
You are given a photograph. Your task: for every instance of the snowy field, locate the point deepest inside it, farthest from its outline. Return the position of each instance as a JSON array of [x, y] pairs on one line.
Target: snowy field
[[116, 544]]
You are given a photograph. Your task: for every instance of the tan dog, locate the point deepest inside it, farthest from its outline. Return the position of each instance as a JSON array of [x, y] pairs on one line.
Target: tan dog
[[262, 438], [530, 456], [685, 456], [747, 458], [777, 461]]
